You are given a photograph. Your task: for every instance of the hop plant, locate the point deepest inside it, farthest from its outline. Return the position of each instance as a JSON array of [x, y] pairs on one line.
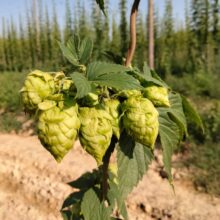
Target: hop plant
[[112, 107], [158, 95], [95, 131], [140, 120], [37, 86], [57, 129]]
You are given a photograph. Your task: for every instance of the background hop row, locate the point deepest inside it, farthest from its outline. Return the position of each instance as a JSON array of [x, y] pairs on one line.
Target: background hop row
[[53, 96]]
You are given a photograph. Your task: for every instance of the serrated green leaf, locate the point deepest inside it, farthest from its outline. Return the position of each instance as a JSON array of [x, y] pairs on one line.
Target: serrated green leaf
[[115, 199], [85, 50], [66, 214], [101, 4], [69, 54], [92, 208], [157, 77], [176, 111], [169, 137], [86, 181], [191, 113], [82, 84], [73, 198], [146, 77], [147, 72], [73, 44], [97, 69], [119, 81], [151, 76], [133, 160], [115, 58]]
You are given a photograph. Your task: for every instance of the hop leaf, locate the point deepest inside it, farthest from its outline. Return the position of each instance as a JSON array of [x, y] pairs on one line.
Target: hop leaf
[[37, 86], [57, 130], [158, 95], [141, 120], [95, 132]]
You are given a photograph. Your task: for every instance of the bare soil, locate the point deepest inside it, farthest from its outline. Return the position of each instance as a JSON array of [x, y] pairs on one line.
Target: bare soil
[[33, 186]]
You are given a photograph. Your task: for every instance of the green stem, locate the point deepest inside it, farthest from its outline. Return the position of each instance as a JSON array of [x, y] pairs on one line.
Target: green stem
[[132, 45], [106, 160]]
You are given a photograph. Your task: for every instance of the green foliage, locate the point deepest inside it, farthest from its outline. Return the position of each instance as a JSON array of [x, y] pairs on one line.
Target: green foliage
[[101, 4], [133, 160], [92, 207], [9, 122], [83, 86], [9, 91], [204, 161], [178, 50], [191, 113], [169, 137]]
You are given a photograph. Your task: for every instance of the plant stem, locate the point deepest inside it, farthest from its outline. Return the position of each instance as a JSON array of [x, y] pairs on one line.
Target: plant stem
[[151, 33], [132, 45], [105, 165]]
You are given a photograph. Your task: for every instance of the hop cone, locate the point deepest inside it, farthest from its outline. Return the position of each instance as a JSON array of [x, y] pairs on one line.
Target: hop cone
[[141, 120], [57, 130], [112, 107], [129, 93], [95, 131], [37, 86], [158, 95], [90, 100]]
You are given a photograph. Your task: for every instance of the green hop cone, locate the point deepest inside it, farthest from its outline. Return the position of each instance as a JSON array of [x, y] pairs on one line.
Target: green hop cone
[[158, 95], [129, 93], [112, 107], [90, 100], [37, 86], [95, 131], [57, 129], [140, 120]]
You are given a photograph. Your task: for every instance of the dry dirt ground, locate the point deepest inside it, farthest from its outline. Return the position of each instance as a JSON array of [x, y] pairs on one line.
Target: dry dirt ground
[[33, 186]]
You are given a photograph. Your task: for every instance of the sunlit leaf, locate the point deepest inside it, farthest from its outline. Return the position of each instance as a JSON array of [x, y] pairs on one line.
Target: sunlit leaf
[[97, 69], [85, 50], [69, 55], [93, 208], [133, 159], [118, 80], [101, 4], [82, 84], [191, 113], [176, 111], [169, 136]]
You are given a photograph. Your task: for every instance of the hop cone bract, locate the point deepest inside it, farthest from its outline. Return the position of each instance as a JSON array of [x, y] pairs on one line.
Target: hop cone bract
[[141, 120], [129, 93], [37, 86], [112, 107], [158, 95], [57, 130], [95, 131], [90, 100]]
